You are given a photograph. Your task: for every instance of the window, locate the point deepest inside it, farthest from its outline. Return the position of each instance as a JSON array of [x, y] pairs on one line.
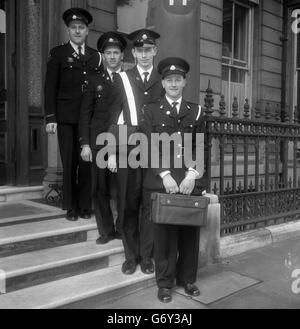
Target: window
[[296, 73], [236, 53]]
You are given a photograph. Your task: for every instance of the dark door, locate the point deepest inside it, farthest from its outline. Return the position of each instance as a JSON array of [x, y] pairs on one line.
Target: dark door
[[7, 91]]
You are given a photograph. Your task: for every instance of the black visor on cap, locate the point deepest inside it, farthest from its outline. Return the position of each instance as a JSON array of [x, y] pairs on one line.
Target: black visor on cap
[[77, 14], [144, 36], [111, 39], [173, 65]]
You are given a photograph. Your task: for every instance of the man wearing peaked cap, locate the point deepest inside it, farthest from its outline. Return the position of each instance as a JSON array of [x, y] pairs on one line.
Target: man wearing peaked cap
[[143, 82], [173, 65], [94, 120], [77, 14], [176, 247], [142, 37], [66, 81]]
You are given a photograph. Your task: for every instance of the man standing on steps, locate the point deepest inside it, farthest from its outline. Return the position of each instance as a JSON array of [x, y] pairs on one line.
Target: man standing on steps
[[66, 81], [176, 247], [94, 120], [144, 85]]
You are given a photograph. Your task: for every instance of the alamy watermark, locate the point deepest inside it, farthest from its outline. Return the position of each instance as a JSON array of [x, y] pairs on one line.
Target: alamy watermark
[[296, 22], [137, 150], [2, 282]]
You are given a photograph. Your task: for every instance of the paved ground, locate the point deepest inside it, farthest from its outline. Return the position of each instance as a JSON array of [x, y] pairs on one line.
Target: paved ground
[[258, 279]]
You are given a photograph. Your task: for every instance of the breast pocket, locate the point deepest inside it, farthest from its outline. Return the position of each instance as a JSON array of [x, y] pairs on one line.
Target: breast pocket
[[188, 126], [166, 125]]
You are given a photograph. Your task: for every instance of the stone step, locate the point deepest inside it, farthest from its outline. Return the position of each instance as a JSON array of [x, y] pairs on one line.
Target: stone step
[[11, 193], [80, 291], [33, 268], [26, 211], [18, 239]]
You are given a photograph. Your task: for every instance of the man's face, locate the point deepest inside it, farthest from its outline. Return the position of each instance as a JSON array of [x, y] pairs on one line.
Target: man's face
[[174, 85], [113, 58], [78, 32], [145, 55]]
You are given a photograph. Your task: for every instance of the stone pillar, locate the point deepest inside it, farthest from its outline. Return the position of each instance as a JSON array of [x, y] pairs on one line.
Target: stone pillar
[[209, 249]]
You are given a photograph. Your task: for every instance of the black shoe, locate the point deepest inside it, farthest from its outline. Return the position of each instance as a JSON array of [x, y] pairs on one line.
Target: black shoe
[[71, 216], [129, 267], [164, 295], [118, 235], [189, 288], [104, 239], [147, 266], [85, 214]]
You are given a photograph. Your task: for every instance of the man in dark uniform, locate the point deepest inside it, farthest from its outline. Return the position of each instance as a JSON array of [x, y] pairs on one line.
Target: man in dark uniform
[[66, 81], [143, 83], [175, 247], [94, 120]]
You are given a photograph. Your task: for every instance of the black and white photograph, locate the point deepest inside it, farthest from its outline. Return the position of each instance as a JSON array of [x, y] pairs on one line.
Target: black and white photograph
[[150, 157]]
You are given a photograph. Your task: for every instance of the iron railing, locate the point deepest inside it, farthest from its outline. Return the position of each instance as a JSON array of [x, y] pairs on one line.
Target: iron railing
[[253, 165]]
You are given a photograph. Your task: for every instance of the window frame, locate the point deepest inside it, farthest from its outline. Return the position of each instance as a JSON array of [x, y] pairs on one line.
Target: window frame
[[248, 68]]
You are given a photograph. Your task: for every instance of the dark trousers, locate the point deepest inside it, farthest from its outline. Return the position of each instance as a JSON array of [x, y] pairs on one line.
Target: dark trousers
[[77, 190], [137, 236], [103, 185], [176, 251]]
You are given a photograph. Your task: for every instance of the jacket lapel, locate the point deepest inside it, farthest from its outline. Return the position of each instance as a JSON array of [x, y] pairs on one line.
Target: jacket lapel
[[167, 108], [154, 78], [184, 109], [136, 78]]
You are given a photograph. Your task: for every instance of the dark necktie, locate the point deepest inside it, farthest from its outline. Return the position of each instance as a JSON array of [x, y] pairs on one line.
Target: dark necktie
[[80, 52], [145, 78], [174, 107], [113, 76]]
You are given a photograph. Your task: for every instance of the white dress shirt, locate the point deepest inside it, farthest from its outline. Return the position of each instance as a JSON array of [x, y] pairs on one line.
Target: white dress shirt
[[110, 72], [191, 173], [141, 72], [75, 47]]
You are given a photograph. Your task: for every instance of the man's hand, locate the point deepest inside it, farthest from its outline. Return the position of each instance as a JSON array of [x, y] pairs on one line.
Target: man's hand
[[170, 184], [51, 128], [86, 154], [187, 186], [112, 163]]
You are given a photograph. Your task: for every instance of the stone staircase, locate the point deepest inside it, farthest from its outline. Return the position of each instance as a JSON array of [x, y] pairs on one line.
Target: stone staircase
[[48, 262]]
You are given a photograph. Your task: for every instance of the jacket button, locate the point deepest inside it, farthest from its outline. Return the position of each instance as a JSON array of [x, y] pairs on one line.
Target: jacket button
[[179, 121], [163, 125], [145, 93]]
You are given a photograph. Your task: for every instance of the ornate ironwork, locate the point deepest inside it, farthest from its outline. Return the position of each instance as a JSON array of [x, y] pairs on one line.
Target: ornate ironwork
[[54, 196], [258, 181]]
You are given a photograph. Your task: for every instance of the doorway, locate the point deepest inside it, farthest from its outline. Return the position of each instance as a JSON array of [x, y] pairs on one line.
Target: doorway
[[7, 91]]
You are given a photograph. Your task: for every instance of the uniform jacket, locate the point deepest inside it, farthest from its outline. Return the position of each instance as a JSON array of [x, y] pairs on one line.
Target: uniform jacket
[[95, 117], [159, 117], [142, 95], [66, 81]]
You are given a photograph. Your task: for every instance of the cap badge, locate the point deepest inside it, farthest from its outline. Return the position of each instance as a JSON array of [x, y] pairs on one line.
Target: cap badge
[[74, 17], [111, 40], [144, 37], [173, 68]]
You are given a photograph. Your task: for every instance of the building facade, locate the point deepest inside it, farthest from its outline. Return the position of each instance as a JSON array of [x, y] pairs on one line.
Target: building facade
[[246, 49]]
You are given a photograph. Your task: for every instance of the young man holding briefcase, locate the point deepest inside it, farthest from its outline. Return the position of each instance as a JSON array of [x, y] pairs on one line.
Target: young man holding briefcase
[[176, 247]]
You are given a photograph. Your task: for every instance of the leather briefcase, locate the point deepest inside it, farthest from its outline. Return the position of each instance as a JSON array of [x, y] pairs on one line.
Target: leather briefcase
[[178, 209]]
